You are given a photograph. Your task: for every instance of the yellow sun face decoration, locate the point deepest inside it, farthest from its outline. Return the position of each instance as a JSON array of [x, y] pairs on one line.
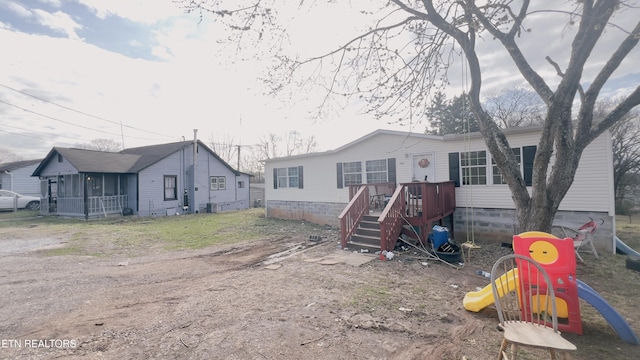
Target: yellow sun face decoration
[[543, 252]]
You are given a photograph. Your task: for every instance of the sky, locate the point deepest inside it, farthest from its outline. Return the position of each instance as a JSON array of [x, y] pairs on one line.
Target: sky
[[145, 72]]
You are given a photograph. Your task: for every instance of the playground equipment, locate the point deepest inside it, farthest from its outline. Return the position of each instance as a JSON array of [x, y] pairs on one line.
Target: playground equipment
[[555, 255]]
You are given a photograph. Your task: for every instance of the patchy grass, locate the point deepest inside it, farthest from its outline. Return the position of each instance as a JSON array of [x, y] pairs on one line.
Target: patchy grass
[[369, 298], [628, 230], [132, 236], [17, 215]]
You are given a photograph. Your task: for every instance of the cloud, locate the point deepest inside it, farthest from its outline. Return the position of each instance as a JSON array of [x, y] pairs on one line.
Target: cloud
[[17, 9], [139, 11], [59, 22]]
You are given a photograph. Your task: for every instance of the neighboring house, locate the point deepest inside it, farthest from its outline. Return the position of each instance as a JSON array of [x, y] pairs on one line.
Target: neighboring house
[[16, 176], [157, 180], [315, 187]]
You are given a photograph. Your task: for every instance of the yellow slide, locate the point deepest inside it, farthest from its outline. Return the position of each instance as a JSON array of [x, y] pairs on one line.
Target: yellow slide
[[478, 300]]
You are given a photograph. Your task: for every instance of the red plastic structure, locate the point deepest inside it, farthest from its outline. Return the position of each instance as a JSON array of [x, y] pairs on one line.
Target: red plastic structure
[[558, 259]]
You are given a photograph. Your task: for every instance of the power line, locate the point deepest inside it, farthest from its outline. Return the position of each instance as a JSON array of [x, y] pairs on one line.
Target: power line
[[81, 112], [31, 136], [70, 123], [39, 132]]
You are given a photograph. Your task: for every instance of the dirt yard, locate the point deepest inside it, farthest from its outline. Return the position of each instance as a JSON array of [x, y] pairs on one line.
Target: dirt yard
[[281, 297]]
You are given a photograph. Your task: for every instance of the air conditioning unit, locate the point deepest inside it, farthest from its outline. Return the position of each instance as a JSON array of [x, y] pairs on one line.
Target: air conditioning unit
[[212, 208]]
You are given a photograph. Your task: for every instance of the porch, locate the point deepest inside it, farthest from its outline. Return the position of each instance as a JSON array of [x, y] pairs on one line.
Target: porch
[[410, 206], [84, 195], [94, 206]]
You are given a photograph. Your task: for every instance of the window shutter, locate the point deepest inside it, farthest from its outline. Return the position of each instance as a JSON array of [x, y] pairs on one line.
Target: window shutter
[[300, 177], [528, 155], [454, 168], [275, 178], [391, 170], [339, 173]]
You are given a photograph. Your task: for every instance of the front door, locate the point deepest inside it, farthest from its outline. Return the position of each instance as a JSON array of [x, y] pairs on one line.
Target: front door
[[424, 167]]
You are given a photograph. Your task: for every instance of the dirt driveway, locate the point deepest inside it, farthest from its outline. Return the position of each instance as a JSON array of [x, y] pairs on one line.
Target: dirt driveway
[[288, 298]]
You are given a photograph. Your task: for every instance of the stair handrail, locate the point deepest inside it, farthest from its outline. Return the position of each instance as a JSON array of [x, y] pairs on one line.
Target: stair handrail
[[353, 213], [391, 219]]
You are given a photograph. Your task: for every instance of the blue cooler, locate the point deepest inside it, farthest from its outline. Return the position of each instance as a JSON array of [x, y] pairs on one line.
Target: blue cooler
[[440, 236]]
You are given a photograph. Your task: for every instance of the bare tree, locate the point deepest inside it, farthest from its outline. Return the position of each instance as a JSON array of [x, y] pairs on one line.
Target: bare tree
[[625, 139], [225, 148], [291, 143], [516, 107], [7, 155], [101, 144], [397, 64]]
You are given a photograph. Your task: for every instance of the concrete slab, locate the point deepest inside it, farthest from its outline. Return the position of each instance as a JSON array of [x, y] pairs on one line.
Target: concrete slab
[[343, 257]]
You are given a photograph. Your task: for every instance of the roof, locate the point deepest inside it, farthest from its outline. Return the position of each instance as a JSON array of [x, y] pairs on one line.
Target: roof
[[131, 160], [17, 164], [451, 137]]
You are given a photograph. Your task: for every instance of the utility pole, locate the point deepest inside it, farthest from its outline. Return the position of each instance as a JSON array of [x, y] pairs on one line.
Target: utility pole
[[238, 157]]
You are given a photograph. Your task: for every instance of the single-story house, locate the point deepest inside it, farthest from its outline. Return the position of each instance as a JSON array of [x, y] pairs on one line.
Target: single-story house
[[157, 180], [315, 187], [16, 176]]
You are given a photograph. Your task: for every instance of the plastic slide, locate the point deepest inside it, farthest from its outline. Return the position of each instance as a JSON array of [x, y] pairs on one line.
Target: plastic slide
[[478, 300], [624, 248], [615, 320]]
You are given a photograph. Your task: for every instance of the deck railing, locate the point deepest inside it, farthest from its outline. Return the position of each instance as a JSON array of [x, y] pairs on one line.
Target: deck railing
[[391, 220], [419, 204], [353, 213]]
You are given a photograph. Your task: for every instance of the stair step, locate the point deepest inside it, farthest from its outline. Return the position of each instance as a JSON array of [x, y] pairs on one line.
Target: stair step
[[370, 218], [361, 247], [369, 224], [365, 239], [368, 232]]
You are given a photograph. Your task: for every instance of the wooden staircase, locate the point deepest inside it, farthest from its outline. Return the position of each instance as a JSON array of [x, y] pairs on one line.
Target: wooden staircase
[[417, 205], [366, 237]]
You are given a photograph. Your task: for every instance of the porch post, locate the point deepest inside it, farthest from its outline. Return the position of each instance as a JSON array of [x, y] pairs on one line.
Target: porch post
[[85, 196]]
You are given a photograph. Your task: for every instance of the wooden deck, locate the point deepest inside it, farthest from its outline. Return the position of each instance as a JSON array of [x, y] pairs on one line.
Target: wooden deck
[[418, 204]]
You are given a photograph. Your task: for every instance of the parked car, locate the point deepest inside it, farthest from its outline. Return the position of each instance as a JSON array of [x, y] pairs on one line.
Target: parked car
[[7, 201]]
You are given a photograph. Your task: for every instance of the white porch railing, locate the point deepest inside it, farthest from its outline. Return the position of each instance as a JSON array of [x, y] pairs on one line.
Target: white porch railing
[[97, 205]]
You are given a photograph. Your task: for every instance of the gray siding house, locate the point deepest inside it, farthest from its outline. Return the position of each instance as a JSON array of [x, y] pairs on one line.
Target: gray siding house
[[16, 176], [158, 180]]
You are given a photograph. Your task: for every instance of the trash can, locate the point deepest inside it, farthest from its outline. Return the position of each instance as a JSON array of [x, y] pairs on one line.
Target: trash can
[[440, 236]]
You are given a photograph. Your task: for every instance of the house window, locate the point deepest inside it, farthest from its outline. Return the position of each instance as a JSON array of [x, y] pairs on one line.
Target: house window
[[352, 172], [59, 158], [376, 171], [240, 184], [474, 167], [497, 176], [287, 177], [218, 183], [170, 187]]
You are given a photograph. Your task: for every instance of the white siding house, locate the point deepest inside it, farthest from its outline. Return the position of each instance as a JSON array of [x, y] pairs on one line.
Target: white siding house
[[485, 209], [16, 177]]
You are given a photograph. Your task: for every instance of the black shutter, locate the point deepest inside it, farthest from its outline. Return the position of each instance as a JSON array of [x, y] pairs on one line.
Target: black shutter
[[275, 178], [300, 177], [391, 170], [339, 173], [528, 155], [454, 168]]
